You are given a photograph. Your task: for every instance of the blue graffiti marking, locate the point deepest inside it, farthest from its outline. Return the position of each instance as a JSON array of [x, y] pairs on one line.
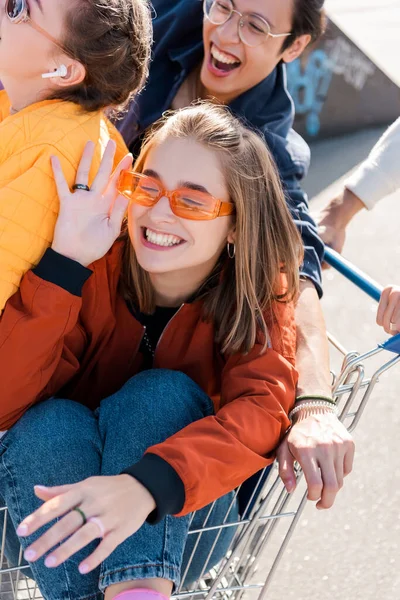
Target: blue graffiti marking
[[309, 87]]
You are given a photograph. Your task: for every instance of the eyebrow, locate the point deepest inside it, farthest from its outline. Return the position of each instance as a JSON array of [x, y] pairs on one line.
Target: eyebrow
[[263, 17], [185, 184], [39, 3]]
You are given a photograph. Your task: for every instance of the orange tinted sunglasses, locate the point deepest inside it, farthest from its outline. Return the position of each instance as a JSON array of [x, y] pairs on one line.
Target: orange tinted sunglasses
[[184, 202]]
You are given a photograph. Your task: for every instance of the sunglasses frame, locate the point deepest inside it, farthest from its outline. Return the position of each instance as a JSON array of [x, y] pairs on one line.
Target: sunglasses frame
[[221, 208], [24, 17]]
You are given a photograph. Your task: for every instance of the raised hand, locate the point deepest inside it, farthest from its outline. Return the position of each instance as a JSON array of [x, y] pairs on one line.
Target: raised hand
[[90, 221]]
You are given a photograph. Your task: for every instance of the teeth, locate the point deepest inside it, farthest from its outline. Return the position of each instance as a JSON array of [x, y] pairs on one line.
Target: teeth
[[161, 239], [222, 57]]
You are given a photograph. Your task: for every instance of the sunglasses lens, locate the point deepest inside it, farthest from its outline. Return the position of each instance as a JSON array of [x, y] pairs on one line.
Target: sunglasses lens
[[14, 8], [194, 205], [139, 189]]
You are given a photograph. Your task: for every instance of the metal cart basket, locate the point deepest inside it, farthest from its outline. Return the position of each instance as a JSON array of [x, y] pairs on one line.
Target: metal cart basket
[[271, 514]]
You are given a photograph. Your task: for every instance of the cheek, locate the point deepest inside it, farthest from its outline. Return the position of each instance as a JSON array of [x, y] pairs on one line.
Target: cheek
[[259, 63], [135, 213], [210, 237], [208, 28]]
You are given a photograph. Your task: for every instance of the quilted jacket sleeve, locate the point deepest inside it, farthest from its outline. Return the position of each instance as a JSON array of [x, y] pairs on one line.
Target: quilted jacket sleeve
[[28, 212]]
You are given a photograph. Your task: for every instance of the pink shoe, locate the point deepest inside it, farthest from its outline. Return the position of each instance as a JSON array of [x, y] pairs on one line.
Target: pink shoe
[[140, 594]]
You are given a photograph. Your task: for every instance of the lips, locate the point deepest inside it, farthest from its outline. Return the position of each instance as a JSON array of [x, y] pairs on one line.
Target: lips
[[157, 240], [222, 63]]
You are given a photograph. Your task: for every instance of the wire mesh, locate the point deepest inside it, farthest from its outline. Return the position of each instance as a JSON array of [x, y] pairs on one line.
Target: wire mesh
[[264, 531]]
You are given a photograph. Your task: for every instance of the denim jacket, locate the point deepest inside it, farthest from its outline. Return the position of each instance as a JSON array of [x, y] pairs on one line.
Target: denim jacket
[[267, 107]]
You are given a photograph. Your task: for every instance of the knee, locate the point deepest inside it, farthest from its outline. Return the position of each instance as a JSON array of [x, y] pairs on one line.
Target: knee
[[158, 394], [50, 424]]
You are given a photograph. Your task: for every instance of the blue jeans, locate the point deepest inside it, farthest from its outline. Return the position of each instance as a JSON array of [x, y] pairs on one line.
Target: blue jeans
[[60, 441]]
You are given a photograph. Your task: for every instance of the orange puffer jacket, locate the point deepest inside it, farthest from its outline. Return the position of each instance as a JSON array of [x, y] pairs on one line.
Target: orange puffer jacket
[[28, 197]]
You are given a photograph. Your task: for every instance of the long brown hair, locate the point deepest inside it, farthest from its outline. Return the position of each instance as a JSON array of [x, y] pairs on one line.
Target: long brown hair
[[239, 292]]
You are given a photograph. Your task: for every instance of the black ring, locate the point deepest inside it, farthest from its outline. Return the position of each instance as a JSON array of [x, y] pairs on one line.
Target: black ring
[[81, 186], [80, 511]]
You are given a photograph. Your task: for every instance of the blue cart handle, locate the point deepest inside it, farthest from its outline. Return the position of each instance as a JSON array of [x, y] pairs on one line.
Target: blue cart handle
[[351, 272], [365, 283]]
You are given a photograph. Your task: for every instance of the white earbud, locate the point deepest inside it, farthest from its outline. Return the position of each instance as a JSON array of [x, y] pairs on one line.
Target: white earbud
[[62, 71]]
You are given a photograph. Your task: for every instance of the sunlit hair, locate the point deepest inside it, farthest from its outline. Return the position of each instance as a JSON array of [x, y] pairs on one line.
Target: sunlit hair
[[239, 293]]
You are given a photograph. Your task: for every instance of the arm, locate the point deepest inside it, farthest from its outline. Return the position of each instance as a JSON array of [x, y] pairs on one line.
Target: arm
[[375, 178], [35, 362], [319, 442]]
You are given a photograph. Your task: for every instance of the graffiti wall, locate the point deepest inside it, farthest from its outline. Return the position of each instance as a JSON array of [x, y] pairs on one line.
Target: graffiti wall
[[336, 89]]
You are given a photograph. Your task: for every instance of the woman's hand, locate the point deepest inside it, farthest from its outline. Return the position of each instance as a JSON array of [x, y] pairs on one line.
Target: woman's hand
[[325, 451], [118, 505], [90, 222], [388, 315]]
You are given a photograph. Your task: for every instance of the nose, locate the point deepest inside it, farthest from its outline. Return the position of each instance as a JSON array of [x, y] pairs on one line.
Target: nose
[[228, 32], [161, 212]]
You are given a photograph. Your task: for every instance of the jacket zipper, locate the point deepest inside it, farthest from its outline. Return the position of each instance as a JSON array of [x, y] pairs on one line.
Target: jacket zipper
[[165, 329]]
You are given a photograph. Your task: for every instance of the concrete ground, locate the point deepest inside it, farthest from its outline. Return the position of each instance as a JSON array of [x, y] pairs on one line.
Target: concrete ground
[[352, 552]]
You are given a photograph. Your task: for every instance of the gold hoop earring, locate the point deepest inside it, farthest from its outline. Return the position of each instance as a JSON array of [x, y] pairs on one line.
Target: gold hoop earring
[[231, 253]]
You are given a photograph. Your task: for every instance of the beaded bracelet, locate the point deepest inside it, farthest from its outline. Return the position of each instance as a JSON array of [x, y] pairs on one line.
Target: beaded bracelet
[[317, 397], [311, 405]]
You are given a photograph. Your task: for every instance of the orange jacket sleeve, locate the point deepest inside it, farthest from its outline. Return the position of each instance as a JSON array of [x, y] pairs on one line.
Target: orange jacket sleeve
[[43, 312], [216, 454]]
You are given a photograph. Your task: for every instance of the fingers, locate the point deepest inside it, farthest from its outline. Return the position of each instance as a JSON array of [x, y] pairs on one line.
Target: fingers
[[82, 175], [102, 178], [388, 315], [54, 536], [382, 306], [81, 538], [46, 493], [286, 466], [104, 549], [313, 477], [53, 509], [61, 184], [124, 164], [118, 212], [330, 486], [349, 459]]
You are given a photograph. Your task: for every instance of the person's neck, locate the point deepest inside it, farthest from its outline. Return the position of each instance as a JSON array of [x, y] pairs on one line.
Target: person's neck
[[174, 289], [23, 94]]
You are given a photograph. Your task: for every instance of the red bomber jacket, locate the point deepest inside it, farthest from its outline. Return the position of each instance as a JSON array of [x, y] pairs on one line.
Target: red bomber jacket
[[68, 332]]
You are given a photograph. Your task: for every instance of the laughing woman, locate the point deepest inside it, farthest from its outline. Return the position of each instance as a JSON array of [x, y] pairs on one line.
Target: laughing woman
[[158, 379]]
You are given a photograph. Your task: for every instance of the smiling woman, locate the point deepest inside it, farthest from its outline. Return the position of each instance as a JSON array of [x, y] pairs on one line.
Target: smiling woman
[[62, 64], [166, 368]]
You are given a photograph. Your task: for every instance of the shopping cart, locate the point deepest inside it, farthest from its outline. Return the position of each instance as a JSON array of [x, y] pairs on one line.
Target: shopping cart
[[271, 514]]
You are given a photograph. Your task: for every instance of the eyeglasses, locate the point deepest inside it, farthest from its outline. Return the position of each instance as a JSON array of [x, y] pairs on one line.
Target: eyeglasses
[[18, 12], [184, 202], [253, 30]]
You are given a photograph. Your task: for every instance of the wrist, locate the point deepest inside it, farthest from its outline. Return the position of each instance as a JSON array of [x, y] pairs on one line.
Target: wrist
[[307, 408], [341, 210], [147, 499], [68, 254]]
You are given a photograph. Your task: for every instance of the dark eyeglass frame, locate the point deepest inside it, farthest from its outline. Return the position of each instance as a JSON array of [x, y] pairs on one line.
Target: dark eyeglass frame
[[129, 182]]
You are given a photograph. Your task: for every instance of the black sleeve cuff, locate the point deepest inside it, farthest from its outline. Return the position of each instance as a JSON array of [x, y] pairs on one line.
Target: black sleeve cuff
[[62, 271], [163, 483]]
